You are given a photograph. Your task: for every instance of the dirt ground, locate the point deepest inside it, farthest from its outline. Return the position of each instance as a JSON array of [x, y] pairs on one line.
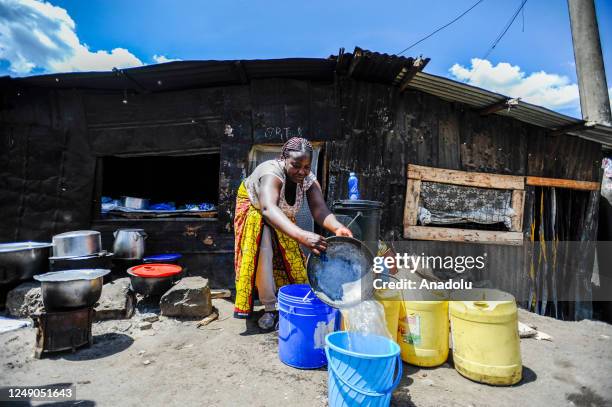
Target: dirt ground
[[230, 363]]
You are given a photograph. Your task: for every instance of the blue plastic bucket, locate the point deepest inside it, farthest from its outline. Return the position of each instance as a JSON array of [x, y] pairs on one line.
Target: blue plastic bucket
[[361, 369], [303, 324]]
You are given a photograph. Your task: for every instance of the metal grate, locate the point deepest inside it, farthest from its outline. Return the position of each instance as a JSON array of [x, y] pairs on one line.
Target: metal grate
[[465, 207]]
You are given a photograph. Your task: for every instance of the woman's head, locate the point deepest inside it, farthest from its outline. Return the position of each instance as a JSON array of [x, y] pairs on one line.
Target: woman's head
[[297, 155]]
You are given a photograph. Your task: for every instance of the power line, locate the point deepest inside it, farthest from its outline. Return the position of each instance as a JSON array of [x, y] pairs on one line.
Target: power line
[[441, 28], [505, 30]]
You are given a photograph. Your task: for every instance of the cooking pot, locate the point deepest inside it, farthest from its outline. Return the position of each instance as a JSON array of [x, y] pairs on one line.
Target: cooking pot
[[77, 243], [22, 260], [342, 276], [153, 279], [71, 288], [100, 260], [129, 243], [134, 203]]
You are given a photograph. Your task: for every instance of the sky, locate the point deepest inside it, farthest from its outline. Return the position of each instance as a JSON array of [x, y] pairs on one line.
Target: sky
[[534, 60]]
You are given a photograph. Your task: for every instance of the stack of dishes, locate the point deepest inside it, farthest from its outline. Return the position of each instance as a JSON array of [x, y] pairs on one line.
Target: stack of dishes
[[79, 249]]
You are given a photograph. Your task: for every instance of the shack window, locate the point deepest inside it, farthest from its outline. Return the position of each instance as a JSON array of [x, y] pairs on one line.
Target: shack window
[[166, 185], [451, 205]]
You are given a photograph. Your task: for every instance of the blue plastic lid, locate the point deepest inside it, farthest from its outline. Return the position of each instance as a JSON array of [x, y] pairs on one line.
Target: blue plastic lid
[[163, 257]]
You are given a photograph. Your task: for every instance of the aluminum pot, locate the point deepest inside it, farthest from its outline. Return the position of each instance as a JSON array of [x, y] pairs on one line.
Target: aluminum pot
[[134, 203], [23, 260], [77, 243], [129, 243], [102, 260], [150, 286], [71, 289]]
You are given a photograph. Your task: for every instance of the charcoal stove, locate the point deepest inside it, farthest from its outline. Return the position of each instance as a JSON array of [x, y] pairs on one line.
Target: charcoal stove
[[63, 330]]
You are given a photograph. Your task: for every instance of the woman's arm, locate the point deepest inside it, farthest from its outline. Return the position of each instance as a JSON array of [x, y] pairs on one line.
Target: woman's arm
[[321, 213], [269, 194]]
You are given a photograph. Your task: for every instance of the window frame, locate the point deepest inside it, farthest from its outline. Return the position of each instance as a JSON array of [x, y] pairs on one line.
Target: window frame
[[96, 216], [418, 173]]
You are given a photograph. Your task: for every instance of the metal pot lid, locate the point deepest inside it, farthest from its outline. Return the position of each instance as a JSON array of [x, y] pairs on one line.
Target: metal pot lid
[[103, 253], [18, 246], [72, 275], [343, 276], [77, 233]]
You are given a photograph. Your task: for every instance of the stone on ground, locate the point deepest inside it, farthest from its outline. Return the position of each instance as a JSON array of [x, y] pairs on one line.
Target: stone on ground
[[24, 300], [117, 301], [189, 298]]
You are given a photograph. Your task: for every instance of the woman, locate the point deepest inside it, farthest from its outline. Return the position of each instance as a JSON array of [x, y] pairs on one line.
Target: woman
[[267, 251]]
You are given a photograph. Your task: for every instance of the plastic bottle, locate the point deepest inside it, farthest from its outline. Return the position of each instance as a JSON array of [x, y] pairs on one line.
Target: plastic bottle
[[353, 187]]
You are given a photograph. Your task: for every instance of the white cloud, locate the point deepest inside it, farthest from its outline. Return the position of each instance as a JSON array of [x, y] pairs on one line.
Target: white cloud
[[160, 59], [550, 90], [39, 35]]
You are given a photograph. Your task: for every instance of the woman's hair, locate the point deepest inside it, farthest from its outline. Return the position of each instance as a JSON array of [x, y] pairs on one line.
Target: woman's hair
[[296, 144]]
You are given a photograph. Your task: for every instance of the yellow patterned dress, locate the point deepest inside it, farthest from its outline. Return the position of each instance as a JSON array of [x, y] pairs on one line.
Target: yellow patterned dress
[[288, 260]]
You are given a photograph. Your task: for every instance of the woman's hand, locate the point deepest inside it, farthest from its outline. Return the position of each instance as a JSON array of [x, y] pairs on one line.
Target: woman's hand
[[343, 231], [314, 242]]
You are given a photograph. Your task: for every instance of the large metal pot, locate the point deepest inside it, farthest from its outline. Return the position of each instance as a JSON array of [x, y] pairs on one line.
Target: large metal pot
[[151, 286], [70, 289], [102, 260], [129, 243], [22, 260], [77, 243], [134, 203]]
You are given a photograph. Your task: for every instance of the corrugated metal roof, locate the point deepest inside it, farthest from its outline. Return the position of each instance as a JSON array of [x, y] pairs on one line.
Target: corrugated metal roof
[[187, 74], [360, 64], [376, 67], [478, 98]]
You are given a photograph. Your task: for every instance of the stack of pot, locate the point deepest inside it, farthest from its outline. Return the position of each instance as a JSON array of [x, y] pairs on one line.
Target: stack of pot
[[79, 249], [129, 248]]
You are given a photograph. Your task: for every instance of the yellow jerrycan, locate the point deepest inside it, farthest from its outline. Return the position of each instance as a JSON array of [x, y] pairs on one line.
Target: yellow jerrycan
[[391, 301], [486, 345], [423, 332]]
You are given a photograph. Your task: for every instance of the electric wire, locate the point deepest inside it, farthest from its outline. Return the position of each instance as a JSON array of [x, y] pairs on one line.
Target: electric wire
[[441, 28], [505, 30]]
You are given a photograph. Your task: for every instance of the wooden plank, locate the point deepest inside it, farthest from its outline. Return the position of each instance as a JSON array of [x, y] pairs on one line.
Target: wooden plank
[[472, 179], [411, 207], [518, 203], [463, 235], [562, 183], [496, 107], [220, 293]]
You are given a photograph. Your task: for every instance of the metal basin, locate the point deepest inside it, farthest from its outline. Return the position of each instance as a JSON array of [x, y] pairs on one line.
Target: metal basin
[[71, 289], [151, 286], [343, 276], [22, 260], [77, 243]]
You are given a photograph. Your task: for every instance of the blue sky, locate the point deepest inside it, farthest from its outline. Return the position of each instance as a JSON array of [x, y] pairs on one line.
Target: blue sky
[[534, 60]]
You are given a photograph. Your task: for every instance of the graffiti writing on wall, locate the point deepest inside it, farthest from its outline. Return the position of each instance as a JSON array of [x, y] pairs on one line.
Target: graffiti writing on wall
[[284, 133]]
